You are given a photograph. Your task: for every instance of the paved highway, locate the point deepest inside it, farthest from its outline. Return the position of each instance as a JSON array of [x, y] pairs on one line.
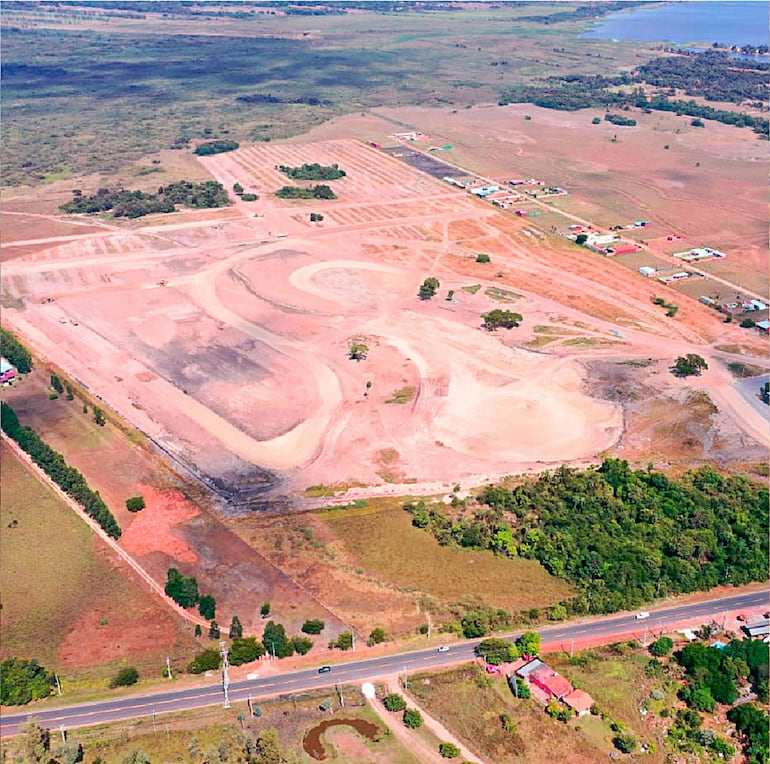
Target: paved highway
[[554, 638]]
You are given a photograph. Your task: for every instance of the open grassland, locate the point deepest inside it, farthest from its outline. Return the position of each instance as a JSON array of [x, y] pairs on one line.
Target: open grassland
[[258, 77], [385, 545], [65, 601], [186, 738], [470, 704]]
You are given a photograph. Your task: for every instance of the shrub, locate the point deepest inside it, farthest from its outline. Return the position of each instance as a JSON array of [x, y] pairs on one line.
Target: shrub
[[313, 626], [343, 642], [394, 702], [662, 646], [376, 637], [624, 742], [264, 611], [449, 750], [22, 681], [245, 650], [596, 121], [208, 660], [482, 258], [135, 503], [412, 718], [301, 645], [249, 197], [125, 677]]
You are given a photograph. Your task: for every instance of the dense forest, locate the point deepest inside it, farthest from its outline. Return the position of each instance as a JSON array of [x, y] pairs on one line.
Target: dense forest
[[711, 75], [313, 171], [135, 204], [69, 479], [15, 352], [622, 537]]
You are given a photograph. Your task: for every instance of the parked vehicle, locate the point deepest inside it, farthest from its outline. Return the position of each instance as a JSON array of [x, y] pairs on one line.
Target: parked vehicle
[[642, 616], [443, 649], [324, 669]]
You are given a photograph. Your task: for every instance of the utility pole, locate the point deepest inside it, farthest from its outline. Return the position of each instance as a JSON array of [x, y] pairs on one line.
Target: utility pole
[[225, 677], [429, 624], [58, 683], [353, 632], [154, 726], [571, 648], [63, 733], [406, 680], [644, 639], [168, 667]]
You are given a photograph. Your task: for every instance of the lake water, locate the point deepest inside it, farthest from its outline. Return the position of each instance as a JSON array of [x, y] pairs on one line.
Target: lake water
[[732, 23]]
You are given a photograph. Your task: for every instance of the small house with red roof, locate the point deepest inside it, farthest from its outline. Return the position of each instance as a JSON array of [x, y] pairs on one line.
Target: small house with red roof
[[551, 682], [579, 701]]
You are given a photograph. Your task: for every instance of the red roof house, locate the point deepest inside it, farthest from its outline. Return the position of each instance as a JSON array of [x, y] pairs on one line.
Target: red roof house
[[552, 682], [579, 701]]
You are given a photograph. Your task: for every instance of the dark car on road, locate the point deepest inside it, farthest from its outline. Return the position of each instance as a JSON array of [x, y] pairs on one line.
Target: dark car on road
[[324, 669]]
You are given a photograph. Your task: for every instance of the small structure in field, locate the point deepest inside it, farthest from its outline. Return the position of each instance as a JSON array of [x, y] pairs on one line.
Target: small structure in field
[[551, 682], [698, 253], [647, 270]]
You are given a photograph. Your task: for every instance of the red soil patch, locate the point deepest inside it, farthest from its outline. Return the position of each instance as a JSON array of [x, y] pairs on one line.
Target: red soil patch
[[153, 529]]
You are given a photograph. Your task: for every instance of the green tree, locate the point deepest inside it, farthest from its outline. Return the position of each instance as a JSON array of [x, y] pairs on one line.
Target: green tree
[[56, 383], [394, 702], [529, 643], [125, 677], [22, 681], [689, 365], [581, 239], [301, 645], [264, 611], [236, 628], [182, 589], [135, 503], [428, 288], [198, 630], [412, 718], [99, 417], [357, 351], [237, 188], [661, 647], [313, 626], [207, 607], [214, 631], [448, 750], [343, 642], [482, 258], [624, 742], [496, 318], [208, 660], [34, 742], [376, 636], [496, 651], [275, 640], [245, 650]]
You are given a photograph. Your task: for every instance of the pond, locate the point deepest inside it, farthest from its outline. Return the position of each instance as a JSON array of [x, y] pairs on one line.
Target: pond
[[313, 740]]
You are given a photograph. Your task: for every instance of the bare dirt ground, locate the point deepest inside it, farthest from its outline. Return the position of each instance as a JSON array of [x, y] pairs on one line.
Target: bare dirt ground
[[223, 336]]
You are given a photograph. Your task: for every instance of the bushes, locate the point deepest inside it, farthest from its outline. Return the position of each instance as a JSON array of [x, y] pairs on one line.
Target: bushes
[[215, 147], [207, 607], [313, 171], [125, 677], [394, 702], [135, 504], [15, 352], [343, 642], [182, 589], [662, 646], [412, 718], [313, 626], [482, 258], [22, 681], [448, 750], [314, 192], [301, 645], [376, 637], [70, 480], [208, 660], [245, 650], [496, 651]]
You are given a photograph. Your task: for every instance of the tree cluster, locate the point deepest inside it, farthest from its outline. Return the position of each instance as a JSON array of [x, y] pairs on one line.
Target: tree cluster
[[313, 171], [182, 589], [428, 288], [313, 626], [497, 318], [136, 204], [245, 650], [135, 503], [215, 147], [620, 121], [277, 644], [621, 536], [69, 479], [752, 724], [320, 191], [15, 352], [689, 365], [22, 681]]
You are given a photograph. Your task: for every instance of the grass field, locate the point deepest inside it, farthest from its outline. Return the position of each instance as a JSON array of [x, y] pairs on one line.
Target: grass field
[[173, 738], [64, 601], [470, 704], [384, 543]]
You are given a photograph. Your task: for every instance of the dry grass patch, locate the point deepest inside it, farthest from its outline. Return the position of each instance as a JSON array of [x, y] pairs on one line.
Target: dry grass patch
[[402, 395], [471, 704], [385, 544], [501, 295]]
